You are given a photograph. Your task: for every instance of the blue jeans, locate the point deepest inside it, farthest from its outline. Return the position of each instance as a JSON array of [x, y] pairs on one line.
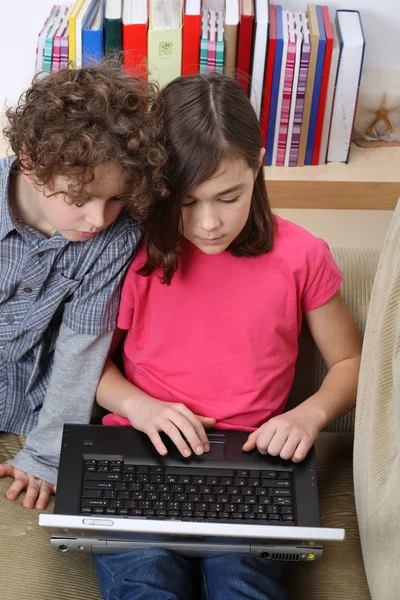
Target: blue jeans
[[157, 574]]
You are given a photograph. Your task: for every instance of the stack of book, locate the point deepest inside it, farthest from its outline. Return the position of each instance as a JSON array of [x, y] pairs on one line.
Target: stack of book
[[301, 71]]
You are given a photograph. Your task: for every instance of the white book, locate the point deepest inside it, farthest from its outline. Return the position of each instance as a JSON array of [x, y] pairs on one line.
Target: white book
[[135, 12], [80, 19], [260, 40], [352, 44], [281, 85], [192, 7], [294, 30], [329, 97]]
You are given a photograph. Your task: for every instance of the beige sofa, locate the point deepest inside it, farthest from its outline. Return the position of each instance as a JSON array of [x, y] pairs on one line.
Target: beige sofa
[[31, 569]]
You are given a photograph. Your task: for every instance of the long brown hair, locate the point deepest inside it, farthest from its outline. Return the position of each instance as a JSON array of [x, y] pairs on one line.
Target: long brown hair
[[207, 118]]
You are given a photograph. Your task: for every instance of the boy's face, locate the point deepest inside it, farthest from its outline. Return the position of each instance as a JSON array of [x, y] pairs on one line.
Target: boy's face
[[80, 222], [215, 212]]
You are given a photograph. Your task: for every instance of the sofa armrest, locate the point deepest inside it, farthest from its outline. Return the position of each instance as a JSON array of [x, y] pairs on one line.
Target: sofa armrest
[[358, 266]]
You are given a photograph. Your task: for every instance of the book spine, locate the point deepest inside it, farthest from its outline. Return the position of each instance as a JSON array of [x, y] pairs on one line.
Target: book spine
[[301, 93], [287, 96]]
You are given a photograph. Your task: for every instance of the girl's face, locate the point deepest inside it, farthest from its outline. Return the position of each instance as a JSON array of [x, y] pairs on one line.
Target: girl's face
[[215, 212]]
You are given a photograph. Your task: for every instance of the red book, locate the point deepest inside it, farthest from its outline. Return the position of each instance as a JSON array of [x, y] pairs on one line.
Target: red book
[[245, 43], [269, 71], [134, 38], [191, 44], [324, 86]]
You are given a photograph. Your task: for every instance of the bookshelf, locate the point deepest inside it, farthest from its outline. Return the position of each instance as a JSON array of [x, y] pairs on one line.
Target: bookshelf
[[370, 181]]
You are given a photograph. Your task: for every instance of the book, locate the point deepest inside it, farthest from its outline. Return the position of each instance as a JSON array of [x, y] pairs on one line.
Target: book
[[64, 47], [245, 40], [301, 90], [92, 35], [260, 44], [49, 40], [212, 41], [191, 36], [314, 39], [294, 22], [42, 38], [351, 57], [60, 43], [220, 44], [269, 70], [135, 19], [275, 87], [287, 91], [81, 17], [329, 97], [204, 42], [231, 29], [281, 85], [319, 67], [76, 7], [112, 27], [324, 85], [164, 42]]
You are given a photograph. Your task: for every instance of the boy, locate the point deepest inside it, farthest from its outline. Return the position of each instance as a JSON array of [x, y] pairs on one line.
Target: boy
[[84, 148]]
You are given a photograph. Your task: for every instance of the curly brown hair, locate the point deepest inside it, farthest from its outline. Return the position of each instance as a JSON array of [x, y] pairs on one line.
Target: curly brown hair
[[70, 122]]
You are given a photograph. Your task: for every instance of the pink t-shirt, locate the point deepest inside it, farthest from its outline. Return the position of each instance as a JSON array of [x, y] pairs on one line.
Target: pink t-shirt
[[223, 337]]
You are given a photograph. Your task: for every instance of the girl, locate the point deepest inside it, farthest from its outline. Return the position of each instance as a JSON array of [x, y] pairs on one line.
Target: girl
[[212, 308]]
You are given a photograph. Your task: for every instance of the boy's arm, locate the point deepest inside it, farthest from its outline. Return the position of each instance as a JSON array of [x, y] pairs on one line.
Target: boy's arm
[[78, 361]]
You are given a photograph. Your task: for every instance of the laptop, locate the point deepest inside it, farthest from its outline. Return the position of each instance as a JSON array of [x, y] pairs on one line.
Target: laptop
[[115, 493]]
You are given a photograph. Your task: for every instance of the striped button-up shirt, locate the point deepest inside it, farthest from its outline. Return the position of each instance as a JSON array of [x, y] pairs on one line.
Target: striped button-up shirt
[[45, 282]]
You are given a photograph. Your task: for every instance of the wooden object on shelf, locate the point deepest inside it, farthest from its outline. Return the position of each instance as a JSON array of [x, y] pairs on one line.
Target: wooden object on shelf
[[370, 181]]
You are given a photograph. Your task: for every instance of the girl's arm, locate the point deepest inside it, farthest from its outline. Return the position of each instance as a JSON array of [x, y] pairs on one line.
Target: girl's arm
[[147, 414], [336, 335]]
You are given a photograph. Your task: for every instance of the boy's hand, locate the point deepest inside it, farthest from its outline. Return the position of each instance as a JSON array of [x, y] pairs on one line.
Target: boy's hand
[[177, 421], [289, 435], [37, 493]]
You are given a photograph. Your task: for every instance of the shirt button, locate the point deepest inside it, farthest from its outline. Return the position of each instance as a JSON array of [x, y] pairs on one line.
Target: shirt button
[[9, 319], [28, 290]]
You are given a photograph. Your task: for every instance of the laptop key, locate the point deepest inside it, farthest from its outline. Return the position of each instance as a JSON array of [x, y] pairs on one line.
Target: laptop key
[[264, 500], [149, 512], [273, 517], [284, 474], [98, 511], [281, 492], [88, 476], [110, 511], [286, 510], [174, 513], [86, 510], [117, 503], [123, 512], [254, 482], [283, 501], [98, 485], [211, 514], [188, 513], [142, 469], [111, 494], [237, 515], [161, 512], [268, 475], [288, 518], [92, 494], [226, 481], [242, 473], [261, 517], [249, 516], [136, 512], [94, 503], [129, 468], [131, 504], [282, 483]]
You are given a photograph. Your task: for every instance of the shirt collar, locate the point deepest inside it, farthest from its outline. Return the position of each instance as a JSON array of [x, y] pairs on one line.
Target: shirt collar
[[7, 222]]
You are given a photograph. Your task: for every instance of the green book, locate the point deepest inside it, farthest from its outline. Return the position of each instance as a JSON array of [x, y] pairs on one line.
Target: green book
[[113, 27]]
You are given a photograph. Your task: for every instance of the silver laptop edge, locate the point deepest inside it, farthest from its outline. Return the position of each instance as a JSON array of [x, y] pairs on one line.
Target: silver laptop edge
[[203, 528]]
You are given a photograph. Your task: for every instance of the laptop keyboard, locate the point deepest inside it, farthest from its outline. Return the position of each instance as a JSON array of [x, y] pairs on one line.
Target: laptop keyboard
[[111, 487]]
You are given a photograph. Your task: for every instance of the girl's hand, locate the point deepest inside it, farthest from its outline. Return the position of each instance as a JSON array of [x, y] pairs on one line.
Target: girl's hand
[[289, 435], [177, 421], [37, 492]]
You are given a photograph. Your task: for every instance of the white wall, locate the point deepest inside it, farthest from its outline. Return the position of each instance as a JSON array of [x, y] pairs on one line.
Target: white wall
[[21, 21]]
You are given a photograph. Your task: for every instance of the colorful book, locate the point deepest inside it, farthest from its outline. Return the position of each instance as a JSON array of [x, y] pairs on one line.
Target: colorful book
[[275, 87], [324, 85], [191, 36], [329, 97], [92, 35], [269, 71], [260, 45], [81, 18], [220, 44], [314, 38], [60, 42], [164, 42], [76, 7], [112, 27], [319, 68], [281, 84], [135, 19], [204, 42], [212, 41], [352, 46], [245, 41], [287, 91], [42, 38], [301, 91], [296, 24], [231, 36], [49, 41]]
